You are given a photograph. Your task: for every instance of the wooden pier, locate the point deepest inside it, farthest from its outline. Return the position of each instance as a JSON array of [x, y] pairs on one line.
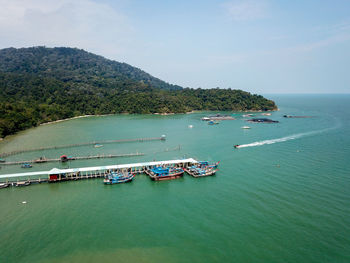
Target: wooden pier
[[45, 160], [5, 154], [57, 175]]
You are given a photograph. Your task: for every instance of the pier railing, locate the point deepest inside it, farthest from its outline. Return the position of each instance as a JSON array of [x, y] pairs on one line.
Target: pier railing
[[5, 154]]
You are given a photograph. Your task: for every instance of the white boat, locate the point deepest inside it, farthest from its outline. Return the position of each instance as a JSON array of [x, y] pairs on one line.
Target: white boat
[[245, 127]]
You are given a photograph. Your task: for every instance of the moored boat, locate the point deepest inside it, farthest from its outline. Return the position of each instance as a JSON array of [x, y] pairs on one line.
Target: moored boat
[[206, 164], [245, 127], [165, 173], [196, 171], [3, 185], [203, 168], [118, 177], [24, 183], [26, 165], [213, 122]]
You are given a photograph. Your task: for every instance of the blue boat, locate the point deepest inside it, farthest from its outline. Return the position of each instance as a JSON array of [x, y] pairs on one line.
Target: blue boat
[[26, 165], [118, 177], [206, 164], [211, 122], [165, 173], [203, 168]]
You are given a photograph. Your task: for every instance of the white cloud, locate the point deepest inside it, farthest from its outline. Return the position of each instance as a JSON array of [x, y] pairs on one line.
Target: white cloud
[[84, 24], [245, 10]]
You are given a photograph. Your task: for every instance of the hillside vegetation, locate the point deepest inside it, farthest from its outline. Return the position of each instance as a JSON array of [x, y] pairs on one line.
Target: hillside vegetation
[[41, 84]]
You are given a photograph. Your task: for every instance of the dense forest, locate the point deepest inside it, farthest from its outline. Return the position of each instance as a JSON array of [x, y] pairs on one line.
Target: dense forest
[[42, 84]]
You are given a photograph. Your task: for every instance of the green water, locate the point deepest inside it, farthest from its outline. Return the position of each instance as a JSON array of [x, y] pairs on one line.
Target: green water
[[286, 199]]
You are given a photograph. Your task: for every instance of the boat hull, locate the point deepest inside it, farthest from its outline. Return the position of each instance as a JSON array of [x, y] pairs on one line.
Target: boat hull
[[4, 186], [167, 177], [207, 173], [20, 184], [118, 181]]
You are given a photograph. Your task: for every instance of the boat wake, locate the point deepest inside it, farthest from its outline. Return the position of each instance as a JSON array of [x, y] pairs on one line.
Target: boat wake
[[284, 139]]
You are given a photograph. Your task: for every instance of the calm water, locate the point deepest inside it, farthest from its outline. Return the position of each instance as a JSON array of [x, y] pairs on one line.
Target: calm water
[[283, 198]]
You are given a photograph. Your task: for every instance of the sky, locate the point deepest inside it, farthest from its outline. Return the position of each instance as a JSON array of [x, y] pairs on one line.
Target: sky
[[261, 46]]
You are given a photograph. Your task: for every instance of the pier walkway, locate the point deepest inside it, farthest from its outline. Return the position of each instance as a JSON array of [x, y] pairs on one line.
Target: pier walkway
[[100, 156], [18, 179], [6, 154]]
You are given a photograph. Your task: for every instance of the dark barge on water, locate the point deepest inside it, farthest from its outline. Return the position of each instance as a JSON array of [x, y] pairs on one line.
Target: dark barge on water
[[291, 116], [262, 120]]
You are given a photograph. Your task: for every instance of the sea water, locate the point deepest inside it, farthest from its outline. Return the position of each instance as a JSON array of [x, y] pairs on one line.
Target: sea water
[[283, 197]]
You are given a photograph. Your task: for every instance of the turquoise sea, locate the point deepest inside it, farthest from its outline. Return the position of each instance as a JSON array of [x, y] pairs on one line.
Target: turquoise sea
[[284, 197]]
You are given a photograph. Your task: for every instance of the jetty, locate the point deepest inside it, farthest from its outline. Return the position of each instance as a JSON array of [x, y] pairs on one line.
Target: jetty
[[5, 154], [72, 158], [57, 175]]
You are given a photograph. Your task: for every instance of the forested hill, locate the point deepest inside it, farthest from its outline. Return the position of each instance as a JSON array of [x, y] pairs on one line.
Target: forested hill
[[77, 65], [45, 84]]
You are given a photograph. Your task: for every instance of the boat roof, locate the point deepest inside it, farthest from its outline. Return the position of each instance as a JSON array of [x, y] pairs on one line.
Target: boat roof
[[98, 168]]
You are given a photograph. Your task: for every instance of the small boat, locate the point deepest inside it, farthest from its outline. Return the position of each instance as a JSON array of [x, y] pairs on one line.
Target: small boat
[[197, 172], [98, 145], [202, 168], [213, 122], [190, 126], [205, 119], [25, 183], [64, 158], [2, 160], [41, 160], [236, 146], [118, 177], [206, 164], [165, 173], [26, 165], [245, 127], [3, 185]]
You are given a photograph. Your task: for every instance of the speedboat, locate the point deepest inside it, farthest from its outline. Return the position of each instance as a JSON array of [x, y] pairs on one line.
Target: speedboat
[[236, 146]]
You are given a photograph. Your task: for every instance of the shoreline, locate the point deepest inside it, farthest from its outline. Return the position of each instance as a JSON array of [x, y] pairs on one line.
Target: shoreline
[[73, 118], [156, 113], [102, 115]]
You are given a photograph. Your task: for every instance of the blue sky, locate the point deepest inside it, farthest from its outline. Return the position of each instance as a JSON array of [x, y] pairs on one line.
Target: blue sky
[[261, 46]]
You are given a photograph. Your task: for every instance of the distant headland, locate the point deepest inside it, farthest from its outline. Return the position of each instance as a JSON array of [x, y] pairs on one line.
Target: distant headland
[[39, 85]]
